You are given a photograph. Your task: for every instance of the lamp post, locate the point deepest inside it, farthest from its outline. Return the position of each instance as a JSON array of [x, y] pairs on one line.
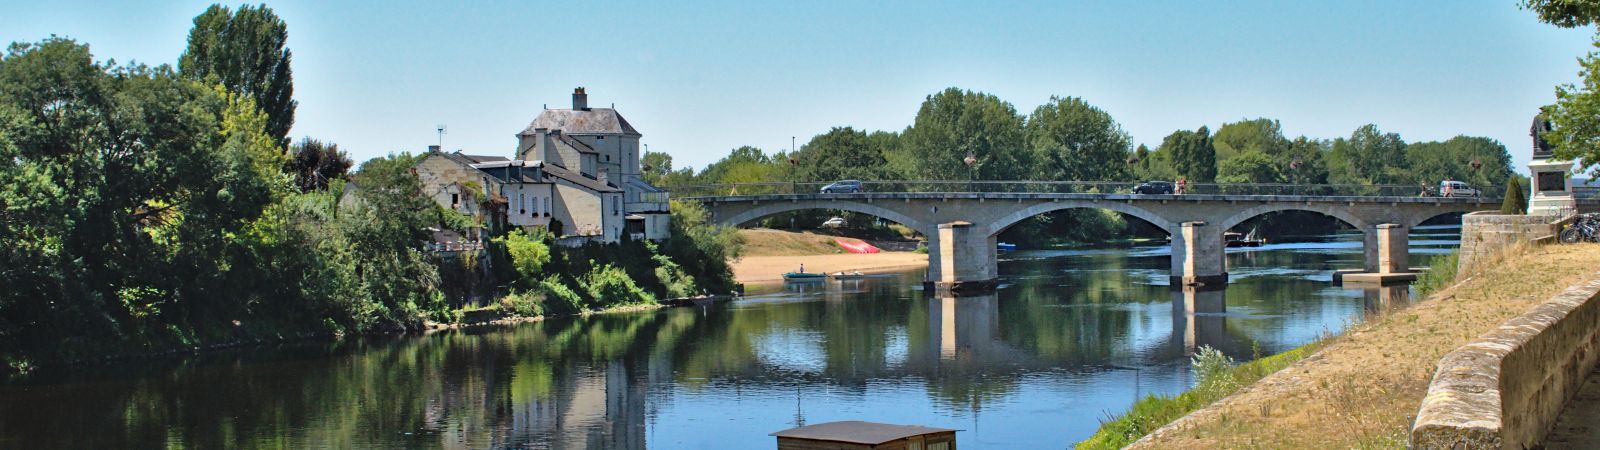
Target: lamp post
[[972, 169]]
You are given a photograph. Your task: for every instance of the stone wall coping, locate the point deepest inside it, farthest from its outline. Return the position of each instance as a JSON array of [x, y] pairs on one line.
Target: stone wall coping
[[1093, 196], [1464, 407]]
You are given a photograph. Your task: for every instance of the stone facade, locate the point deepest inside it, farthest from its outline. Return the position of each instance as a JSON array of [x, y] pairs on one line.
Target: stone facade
[[1506, 388], [1485, 235]]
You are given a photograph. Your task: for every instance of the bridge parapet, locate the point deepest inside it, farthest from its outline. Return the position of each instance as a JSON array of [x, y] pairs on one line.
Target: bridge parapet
[[1060, 187]]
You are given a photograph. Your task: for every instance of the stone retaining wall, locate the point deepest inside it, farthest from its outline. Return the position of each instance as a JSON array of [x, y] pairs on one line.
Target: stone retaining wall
[[1505, 388], [1486, 235]]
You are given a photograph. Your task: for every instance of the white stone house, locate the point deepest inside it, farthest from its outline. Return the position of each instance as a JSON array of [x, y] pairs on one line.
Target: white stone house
[[575, 172]]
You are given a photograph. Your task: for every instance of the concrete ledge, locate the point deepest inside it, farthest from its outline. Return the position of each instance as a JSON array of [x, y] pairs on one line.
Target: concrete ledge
[[947, 288], [1505, 388]]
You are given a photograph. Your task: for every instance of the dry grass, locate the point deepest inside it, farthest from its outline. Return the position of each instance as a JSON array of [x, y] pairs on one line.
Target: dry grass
[[770, 242], [1363, 389]]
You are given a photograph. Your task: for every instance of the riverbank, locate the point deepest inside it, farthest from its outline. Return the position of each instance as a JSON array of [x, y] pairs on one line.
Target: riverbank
[[770, 269], [1363, 388]]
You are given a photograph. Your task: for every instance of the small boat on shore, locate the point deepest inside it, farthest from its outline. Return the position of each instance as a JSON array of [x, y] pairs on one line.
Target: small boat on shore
[[804, 276], [856, 275], [1005, 247], [1232, 239]]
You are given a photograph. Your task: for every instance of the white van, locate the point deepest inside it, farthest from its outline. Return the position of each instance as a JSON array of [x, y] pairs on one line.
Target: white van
[[1449, 188]]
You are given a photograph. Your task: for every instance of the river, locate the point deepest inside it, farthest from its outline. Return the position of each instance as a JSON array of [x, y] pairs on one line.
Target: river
[[1070, 337]]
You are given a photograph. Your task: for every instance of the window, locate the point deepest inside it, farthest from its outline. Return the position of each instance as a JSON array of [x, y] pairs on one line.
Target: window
[[522, 202], [547, 206], [455, 199], [615, 206]]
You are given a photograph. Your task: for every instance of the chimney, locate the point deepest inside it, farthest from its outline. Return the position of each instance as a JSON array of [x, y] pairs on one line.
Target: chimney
[[433, 149], [543, 143], [601, 177], [580, 100]]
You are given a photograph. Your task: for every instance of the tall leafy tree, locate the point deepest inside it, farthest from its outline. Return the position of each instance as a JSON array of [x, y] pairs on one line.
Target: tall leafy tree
[[955, 123], [841, 153], [314, 163], [1261, 135], [1303, 162], [1565, 13], [1252, 166], [1074, 140], [246, 52], [1479, 161], [1368, 156], [1576, 117], [1192, 155]]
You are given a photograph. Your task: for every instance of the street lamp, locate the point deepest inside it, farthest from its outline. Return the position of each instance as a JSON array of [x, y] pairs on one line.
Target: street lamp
[[972, 169]]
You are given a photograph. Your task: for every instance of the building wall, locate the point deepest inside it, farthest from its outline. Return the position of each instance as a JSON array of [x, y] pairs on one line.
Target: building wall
[[529, 204], [578, 209], [438, 173], [612, 216]]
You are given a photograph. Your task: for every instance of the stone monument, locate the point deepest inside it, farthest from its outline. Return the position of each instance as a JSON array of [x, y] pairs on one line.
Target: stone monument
[[1551, 188]]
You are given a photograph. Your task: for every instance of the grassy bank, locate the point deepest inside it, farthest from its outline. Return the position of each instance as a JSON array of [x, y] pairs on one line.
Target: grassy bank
[[1153, 411], [1362, 388]]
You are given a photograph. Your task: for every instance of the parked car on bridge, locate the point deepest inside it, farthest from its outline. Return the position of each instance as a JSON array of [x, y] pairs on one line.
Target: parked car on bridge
[[1451, 188], [1154, 187], [842, 187]]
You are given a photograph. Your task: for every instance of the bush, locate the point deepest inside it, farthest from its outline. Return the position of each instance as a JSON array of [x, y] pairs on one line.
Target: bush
[[524, 303], [607, 285], [559, 297], [529, 253]]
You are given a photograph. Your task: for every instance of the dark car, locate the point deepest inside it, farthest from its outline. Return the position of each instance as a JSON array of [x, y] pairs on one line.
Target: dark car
[[1154, 187], [842, 187]]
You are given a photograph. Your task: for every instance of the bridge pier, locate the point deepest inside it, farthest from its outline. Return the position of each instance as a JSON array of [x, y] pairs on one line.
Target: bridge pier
[[1387, 257], [1199, 256], [961, 259]]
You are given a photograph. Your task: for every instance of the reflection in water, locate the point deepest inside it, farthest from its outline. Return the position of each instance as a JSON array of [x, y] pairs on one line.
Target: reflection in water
[[1075, 335]]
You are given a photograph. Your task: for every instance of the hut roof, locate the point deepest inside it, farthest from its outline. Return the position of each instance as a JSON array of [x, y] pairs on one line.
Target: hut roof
[[857, 432]]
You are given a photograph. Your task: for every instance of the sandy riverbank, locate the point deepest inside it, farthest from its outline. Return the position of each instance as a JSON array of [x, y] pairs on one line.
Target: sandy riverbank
[[770, 269]]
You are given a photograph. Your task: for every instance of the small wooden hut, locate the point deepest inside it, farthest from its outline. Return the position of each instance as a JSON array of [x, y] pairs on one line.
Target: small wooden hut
[[858, 435]]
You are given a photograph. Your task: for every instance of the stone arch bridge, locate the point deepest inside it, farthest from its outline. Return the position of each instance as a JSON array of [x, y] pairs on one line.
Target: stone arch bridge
[[962, 226]]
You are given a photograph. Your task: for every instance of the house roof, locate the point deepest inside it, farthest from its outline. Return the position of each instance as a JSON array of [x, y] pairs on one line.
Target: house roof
[[576, 144], [478, 159], [643, 186], [578, 179], [512, 172], [857, 432], [582, 121]]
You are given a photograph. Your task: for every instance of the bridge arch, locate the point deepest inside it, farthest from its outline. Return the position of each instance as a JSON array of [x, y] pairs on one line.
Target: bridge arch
[[777, 207], [1335, 211], [1041, 208]]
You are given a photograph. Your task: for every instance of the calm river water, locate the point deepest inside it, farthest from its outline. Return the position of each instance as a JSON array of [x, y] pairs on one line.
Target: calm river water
[[1070, 337]]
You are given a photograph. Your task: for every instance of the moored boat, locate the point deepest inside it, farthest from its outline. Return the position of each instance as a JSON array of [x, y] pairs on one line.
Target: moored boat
[[804, 276], [856, 275]]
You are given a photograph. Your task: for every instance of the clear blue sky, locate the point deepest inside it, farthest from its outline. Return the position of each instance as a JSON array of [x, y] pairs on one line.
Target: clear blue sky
[[700, 78]]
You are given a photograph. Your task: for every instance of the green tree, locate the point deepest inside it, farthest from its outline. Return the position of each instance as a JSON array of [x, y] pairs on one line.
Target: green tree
[[1516, 198], [1565, 13], [529, 254], [955, 123], [841, 153], [1304, 163], [1479, 161], [1192, 155], [1152, 165], [743, 165], [245, 51], [702, 247], [1251, 166], [1261, 135], [314, 163], [1368, 156], [1074, 140], [1575, 120]]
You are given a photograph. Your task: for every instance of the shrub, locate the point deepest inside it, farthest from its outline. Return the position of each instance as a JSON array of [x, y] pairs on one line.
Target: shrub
[[559, 297], [607, 285], [529, 253], [523, 303]]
